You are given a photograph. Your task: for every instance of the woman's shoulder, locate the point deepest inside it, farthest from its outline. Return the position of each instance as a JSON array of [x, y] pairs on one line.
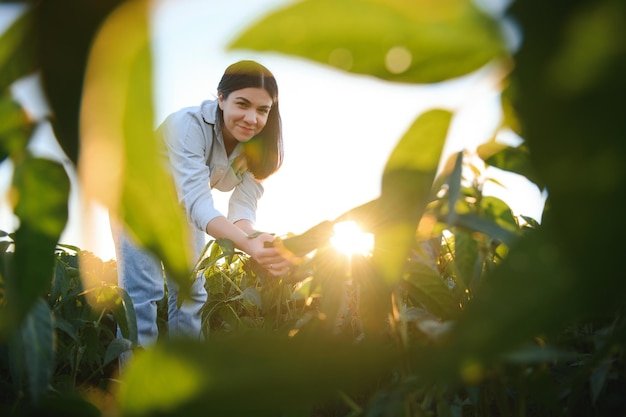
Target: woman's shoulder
[[206, 111]]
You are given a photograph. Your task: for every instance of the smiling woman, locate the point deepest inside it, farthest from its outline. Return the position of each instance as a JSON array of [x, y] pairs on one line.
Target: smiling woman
[[206, 148]]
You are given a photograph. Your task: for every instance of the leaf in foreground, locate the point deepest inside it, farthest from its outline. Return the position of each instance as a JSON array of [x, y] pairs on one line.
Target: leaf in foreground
[[417, 42], [121, 163], [247, 374]]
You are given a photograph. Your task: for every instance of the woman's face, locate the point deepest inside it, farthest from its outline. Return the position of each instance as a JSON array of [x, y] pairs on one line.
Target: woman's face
[[245, 112]]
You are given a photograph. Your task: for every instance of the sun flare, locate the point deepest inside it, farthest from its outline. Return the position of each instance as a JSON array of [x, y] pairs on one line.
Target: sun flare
[[349, 239]]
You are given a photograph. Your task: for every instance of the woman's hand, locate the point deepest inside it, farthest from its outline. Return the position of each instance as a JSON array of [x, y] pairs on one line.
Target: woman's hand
[[268, 256], [276, 260]]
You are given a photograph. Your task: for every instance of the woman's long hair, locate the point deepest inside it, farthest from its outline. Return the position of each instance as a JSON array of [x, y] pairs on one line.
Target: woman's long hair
[[264, 152]]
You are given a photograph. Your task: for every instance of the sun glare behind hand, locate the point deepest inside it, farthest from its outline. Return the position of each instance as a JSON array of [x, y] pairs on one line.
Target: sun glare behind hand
[[349, 239]]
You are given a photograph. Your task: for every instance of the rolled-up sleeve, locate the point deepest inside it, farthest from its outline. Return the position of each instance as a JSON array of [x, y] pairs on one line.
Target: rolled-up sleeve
[[243, 201], [187, 156]]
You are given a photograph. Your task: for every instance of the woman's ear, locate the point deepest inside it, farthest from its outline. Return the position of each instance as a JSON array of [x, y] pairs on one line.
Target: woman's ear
[[220, 101]]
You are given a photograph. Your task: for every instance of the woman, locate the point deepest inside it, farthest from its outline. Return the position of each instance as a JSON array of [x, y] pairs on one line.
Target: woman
[[231, 143]]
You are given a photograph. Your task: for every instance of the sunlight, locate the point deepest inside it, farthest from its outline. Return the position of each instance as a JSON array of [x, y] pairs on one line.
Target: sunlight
[[349, 239]]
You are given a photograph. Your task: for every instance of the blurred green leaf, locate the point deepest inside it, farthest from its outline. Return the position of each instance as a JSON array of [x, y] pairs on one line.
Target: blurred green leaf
[[531, 354], [406, 186], [117, 122], [510, 119], [487, 226], [465, 257], [598, 379], [315, 237], [115, 299], [274, 375], [418, 42], [569, 82], [368, 216], [513, 159], [152, 213], [42, 188], [125, 316], [65, 32], [454, 188], [115, 349], [18, 50], [15, 128], [426, 287], [66, 406], [251, 295], [497, 210], [32, 350]]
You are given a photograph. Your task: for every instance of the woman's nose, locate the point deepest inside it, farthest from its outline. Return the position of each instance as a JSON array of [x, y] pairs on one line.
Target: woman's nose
[[250, 117]]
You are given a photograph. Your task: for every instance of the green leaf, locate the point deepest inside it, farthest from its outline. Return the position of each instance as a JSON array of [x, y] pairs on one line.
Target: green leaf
[[314, 238], [368, 216], [211, 377], [509, 116], [65, 32], [117, 122], [519, 302], [250, 294], [417, 42], [15, 128], [125, 316], [66, 406], [18, 50], [454, 191], [33, 347], [406, 186], [116, 300], [61, 281], [426, 287], [43, 189], [465, 257], [115, 348], [569, 81], [42, 206], [532, 354], [497, 210], [66, 327], [516, 160], [488, 227], [531, 222]]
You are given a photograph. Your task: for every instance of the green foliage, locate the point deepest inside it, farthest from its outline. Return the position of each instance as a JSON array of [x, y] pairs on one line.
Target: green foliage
[[118, 128], [31, 352], [463, 309], [17, 57], [416, 42], [115, 93], [512, 159], [15, 128], [67, 344]]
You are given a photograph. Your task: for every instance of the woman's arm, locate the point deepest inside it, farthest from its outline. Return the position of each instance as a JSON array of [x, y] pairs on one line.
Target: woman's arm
[[268, 257], [247, 226], [187, 144]]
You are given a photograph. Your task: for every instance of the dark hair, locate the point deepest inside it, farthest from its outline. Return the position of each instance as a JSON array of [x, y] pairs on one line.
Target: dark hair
[[264, 152]]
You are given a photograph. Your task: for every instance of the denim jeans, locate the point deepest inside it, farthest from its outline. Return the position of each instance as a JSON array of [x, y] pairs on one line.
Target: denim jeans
[[142, 275]]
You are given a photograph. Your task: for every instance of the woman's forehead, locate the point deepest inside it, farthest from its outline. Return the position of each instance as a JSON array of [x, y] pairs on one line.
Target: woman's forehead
[[254, 95]]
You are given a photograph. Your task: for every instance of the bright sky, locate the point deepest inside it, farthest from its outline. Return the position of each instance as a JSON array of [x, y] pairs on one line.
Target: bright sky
[[339, 128]]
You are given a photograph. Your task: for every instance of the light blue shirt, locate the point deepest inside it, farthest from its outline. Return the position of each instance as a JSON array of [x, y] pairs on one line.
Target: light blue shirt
[[198, 162]]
